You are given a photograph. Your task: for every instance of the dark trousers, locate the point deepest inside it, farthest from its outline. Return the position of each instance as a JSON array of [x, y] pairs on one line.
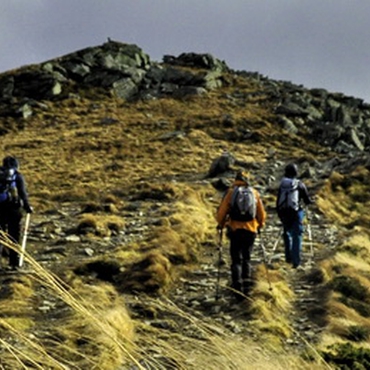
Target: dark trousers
[[10, 223], [241, 246]]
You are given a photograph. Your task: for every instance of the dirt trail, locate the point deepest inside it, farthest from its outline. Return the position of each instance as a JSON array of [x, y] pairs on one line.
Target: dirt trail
[[198, 289], [195, 292]]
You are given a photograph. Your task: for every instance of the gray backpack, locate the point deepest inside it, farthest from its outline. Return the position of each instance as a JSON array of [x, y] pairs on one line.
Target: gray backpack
[[243, 204], [289, 195]]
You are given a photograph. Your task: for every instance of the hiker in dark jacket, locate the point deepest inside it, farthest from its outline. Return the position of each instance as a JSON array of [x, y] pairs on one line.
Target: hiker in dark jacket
[[242, 235], [13, 197], [291, 194]]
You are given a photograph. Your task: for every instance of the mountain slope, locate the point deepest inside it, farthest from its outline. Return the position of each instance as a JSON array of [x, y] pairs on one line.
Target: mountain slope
[[116, 151]]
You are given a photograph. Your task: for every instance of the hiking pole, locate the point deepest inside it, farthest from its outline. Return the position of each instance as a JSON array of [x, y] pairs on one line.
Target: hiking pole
[[275, 246], [219, 264], [265, 259], [24, 239], [309, 232]]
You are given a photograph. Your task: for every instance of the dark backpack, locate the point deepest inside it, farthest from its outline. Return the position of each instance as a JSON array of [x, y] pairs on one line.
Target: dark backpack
[[243, 204], [8, 186]]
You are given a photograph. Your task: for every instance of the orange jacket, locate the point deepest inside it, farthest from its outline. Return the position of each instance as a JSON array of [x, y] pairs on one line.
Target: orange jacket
[[224, 209]]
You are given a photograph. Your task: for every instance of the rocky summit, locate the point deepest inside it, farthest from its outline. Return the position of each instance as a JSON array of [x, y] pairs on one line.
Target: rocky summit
[[126, 161]]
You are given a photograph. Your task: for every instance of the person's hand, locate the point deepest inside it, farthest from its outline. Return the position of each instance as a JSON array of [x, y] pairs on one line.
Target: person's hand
[[28, 208]]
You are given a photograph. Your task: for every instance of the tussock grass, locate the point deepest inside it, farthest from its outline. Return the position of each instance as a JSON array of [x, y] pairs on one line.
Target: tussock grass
[[95, 328], [100, 225], [97, 332], [211, 347], [357, 246], [190, 224], [104, 347], [347, 307], [151, 274], [346, 324], [343, 198], [79, 161], [270, 308]]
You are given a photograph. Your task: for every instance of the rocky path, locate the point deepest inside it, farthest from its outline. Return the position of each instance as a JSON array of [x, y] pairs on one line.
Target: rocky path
[[308, 316], [198, 289], [53, 245]]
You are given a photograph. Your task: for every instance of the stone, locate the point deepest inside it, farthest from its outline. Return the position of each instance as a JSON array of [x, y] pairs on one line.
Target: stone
[[73, 238], [221, 164]]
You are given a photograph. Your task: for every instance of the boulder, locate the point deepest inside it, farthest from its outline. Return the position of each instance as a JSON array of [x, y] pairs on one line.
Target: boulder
[[221, 164]]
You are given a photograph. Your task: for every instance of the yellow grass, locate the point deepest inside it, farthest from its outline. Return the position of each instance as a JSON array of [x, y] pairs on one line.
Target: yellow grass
[[71, 162]]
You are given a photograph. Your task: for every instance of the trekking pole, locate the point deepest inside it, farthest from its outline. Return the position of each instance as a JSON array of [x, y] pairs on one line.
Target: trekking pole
[[309, 232], [219, 264], [24, 239], [265, 259], [275, 246]]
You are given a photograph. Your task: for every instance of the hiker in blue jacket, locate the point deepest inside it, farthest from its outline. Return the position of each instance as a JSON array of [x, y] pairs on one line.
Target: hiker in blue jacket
[[292, 192], [13, 197]]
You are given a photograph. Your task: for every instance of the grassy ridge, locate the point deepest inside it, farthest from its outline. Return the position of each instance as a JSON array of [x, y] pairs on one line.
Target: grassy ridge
[[101, 161]]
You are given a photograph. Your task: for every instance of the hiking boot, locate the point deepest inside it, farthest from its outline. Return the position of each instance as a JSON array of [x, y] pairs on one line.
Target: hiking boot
[[247, 287]]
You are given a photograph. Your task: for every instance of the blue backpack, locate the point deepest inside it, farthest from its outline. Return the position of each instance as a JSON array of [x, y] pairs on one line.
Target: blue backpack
[[8, 186]]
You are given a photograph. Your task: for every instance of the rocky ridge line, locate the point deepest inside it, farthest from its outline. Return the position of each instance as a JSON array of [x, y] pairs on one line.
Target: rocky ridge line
[[333, 119]]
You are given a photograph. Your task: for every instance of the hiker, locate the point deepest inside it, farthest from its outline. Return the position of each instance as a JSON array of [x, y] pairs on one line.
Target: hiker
[[242, 228], [292, 192], [13, 197]]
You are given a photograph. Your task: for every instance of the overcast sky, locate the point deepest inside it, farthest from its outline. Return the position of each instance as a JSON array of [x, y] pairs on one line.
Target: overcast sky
[[316, 43]]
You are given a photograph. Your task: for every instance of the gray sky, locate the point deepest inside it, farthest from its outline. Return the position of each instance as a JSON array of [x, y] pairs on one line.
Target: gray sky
[[316, 43]]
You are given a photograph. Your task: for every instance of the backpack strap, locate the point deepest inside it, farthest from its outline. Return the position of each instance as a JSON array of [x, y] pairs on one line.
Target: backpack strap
[[234, 195]]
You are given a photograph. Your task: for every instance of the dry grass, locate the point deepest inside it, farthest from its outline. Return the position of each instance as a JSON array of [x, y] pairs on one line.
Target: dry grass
[[103, 341], [348, 274], [271, 308], [172, 245], [94, 156], [94, 330], [100, 225], [210, 347], [344, 198]]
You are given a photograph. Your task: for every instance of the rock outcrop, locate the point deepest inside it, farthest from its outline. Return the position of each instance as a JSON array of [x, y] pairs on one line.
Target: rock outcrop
[[339, 122]]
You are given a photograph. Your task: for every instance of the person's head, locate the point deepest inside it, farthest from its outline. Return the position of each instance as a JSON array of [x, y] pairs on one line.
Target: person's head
[[242, 176], [10, 162], [291, 170], [225, 152]]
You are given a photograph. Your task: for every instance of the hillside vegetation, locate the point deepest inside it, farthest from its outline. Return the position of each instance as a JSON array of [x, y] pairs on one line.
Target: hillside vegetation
[[122, 260]]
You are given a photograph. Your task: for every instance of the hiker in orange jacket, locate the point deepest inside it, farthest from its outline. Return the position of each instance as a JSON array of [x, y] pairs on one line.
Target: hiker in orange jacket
[[241, 233]]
